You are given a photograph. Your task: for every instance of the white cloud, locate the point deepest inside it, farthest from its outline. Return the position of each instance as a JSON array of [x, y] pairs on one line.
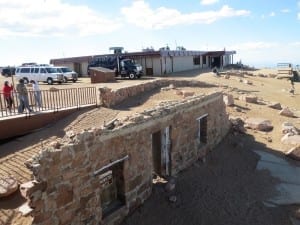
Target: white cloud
[[50, 18], [272, 14], [208, 2], [285, 10], [142, 15], [295, 44]]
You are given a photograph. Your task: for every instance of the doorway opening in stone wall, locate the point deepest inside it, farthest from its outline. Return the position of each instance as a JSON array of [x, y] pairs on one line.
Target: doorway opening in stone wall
[[112, 189], [202, 129], [161, 148]]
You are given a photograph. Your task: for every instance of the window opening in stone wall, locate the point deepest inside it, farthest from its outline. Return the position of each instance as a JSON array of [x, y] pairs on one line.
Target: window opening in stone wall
[[202, 129], [112, 189]]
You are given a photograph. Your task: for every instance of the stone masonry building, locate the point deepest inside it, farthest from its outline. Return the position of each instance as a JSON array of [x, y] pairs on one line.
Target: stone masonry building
[[100, 175]]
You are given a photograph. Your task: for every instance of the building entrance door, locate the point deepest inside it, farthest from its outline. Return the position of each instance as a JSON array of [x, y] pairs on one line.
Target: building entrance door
[[161, 145]]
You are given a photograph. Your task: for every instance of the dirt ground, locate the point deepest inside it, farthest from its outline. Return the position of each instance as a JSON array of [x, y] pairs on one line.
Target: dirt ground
[[223, 189]]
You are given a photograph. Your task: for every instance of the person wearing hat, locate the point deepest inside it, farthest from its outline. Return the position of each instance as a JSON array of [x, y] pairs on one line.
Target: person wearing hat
[[7, 94], [23, 97]]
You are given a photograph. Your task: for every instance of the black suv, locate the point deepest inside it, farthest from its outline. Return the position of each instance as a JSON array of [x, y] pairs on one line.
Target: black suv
[[8, 71]]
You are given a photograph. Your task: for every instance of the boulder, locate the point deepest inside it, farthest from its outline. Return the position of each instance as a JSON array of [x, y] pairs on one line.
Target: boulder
[[8, 186], [248, 98], [294, 153], [290, 139], [237, 125], [286, 112], [260, 124], [228, 100], [275, 105], [288, 127]]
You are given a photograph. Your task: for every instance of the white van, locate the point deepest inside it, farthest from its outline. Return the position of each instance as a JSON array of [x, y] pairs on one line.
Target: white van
[[45, 74], [69, 75]]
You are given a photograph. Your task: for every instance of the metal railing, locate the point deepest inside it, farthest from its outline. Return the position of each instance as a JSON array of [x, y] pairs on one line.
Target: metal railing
[[51, 100]]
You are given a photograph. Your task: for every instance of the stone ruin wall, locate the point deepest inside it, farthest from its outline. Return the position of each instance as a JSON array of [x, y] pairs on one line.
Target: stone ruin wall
[[109, 97], [66, 191]]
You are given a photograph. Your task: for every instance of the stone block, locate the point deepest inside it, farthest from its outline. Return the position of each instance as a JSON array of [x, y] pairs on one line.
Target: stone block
[[228, 100], [294, 153], [260, 124], [64, 195], [291, 139], [286, 112], [28, 188], [8, 186], [248, 98]]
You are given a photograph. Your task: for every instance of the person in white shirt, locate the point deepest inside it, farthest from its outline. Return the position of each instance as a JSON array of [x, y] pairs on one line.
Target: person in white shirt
[[37, 93]]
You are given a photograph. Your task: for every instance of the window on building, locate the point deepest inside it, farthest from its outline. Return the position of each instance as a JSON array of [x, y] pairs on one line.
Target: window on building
[[197, 60], [204, 59], [202, 129], [112, 188]]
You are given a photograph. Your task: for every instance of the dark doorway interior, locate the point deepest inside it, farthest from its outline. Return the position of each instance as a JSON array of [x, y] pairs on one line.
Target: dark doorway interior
[[112, 189], [156, 152], [77, 68], [216, 62]]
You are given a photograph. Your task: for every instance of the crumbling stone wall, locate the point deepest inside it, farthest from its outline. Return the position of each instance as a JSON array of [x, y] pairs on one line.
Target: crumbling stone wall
[[109, 97], [66, 189]]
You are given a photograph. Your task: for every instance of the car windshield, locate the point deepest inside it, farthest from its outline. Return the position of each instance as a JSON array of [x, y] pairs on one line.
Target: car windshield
[[66, 69], [51, 70], [128, 62]]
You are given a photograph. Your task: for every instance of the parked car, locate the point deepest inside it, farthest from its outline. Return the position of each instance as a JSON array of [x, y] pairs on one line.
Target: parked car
[[8, 71], [69, 75], [45, 74]]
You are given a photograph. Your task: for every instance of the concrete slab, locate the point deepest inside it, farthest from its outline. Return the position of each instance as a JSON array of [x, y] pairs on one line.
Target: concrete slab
[[288, 173]]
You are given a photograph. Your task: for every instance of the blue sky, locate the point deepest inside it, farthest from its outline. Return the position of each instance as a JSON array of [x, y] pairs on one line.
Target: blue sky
[[263, 32]]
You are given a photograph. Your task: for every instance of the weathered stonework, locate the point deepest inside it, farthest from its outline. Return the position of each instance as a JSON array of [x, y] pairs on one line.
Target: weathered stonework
[[69, 173], [109, 97]]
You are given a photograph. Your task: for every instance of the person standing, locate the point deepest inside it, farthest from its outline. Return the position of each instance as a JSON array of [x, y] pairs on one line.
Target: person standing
[[23, 97], [7, 94], [37, 93]]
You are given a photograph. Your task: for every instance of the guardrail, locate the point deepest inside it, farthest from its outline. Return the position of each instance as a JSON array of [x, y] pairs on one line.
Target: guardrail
[[51, 100]]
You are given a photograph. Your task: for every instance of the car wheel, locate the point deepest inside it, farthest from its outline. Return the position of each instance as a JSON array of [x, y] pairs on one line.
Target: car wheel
[[50, 81], [26, 81], [132, 76], [65, 80]]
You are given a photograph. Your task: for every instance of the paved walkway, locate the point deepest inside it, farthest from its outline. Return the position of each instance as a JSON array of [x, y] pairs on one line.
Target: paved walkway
[[288, 173]]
